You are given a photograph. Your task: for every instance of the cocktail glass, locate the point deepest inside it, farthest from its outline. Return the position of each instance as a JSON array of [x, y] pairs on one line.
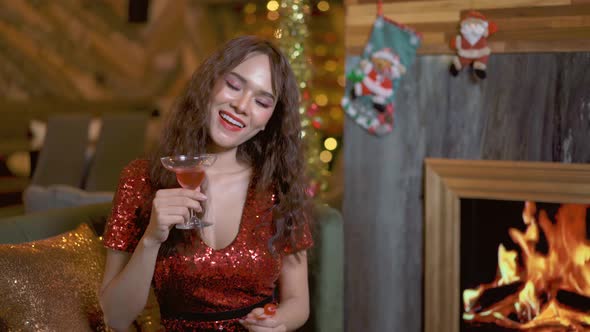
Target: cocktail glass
[[190, 173]]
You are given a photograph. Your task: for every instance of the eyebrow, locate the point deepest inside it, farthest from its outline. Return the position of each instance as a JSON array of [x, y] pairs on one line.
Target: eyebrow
[[245, 81]]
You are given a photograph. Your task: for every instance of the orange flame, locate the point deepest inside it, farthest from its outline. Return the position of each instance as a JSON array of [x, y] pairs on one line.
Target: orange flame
[[507, 266], [566, 267]]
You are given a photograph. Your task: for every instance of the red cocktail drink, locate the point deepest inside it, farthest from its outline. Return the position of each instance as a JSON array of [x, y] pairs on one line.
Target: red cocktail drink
[[190, 173], [190, 178]]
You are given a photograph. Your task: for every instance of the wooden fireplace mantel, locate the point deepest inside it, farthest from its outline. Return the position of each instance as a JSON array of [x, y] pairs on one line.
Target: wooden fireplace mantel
[[448, 181], [523, 25]]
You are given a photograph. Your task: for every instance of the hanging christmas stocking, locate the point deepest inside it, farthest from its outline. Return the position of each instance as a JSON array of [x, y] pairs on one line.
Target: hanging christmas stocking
[[369, 98]]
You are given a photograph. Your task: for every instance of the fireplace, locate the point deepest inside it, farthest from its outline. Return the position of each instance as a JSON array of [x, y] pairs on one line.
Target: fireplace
[[524, 266], [506, 246]]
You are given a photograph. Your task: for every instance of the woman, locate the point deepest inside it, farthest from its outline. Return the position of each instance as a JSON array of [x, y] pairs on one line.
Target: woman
[[241, 105]]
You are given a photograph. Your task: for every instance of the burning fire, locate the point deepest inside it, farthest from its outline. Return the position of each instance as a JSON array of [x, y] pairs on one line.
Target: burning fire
[[544, 291]]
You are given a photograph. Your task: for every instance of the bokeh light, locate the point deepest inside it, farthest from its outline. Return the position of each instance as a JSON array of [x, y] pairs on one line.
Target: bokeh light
[[326, 156], [273, 16], [321, 99], [330, 143], [278, 33], [323, 6], [272, 5]]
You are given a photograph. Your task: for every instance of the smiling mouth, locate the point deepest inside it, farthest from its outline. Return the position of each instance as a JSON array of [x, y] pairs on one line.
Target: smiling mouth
[[231, 120]]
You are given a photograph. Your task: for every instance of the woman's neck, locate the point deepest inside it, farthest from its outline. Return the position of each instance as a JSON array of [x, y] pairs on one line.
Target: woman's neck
[[227, 162]]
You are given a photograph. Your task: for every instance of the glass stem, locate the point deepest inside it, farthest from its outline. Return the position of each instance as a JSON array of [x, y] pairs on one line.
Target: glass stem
[[192, 215]]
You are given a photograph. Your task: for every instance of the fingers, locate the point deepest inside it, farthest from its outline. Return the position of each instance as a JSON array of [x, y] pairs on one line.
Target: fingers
[[178, 201], [165, 222], [190, 193], [179, 197], [258, 321], [173, 211], [263, 327], [172, 206], [257, 312]]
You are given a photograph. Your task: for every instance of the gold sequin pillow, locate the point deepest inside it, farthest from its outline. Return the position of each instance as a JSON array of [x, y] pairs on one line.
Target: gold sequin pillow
[[52, 284]]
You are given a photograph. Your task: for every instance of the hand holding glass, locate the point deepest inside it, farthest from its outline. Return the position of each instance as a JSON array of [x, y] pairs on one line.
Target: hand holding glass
[[190, 173]]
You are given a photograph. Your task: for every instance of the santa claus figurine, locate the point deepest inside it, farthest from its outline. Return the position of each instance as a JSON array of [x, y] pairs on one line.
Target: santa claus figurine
[[379, 74], [471, 44]]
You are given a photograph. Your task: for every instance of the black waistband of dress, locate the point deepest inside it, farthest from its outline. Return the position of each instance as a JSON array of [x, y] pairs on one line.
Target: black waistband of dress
[[214, 316]]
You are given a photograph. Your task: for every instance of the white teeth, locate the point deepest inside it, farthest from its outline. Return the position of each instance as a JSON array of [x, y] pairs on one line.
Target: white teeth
[[231, 120]]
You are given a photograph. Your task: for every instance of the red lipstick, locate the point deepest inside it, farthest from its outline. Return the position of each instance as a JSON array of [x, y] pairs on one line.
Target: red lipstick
[[226, 120]]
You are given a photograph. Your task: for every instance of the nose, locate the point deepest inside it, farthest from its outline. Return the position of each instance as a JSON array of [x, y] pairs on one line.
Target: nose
[[241, 102]]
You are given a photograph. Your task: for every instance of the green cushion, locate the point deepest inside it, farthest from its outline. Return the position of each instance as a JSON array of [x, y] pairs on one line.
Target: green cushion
[[40, 198], [327, 270], [11, 211], [41, 225]]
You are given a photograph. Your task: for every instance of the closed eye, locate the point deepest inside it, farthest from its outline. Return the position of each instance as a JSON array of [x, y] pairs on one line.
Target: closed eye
[[262, 104], [232, 85]]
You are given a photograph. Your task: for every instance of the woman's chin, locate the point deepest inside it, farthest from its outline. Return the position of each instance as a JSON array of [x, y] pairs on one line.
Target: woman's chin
[[220, 146]]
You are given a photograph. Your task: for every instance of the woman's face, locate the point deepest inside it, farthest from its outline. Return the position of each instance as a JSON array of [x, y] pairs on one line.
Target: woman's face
[[242, 103]]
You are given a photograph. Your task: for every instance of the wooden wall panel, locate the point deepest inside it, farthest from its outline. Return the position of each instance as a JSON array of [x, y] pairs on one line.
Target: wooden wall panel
[[524, 25], [78, 50], [518, 113]]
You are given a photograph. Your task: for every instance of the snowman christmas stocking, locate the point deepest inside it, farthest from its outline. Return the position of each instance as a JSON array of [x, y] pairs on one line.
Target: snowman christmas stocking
[[369, 98]]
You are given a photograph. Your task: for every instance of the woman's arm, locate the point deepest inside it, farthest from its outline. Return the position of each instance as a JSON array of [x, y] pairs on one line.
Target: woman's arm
[[293, 309], [126, 284], [127, 277]]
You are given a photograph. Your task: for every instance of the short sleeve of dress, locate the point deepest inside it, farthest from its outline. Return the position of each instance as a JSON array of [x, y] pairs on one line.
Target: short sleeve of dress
[[305, 242], [125, 226]]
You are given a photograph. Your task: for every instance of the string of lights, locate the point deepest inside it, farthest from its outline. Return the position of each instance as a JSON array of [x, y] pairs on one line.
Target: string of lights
[[316, 58]]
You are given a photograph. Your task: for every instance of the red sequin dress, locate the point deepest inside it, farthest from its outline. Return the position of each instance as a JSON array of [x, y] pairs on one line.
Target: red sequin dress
[[206, 280]]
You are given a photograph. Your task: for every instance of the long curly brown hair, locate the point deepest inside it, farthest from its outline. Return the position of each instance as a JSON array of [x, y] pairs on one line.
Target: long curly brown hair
[[276, 154]]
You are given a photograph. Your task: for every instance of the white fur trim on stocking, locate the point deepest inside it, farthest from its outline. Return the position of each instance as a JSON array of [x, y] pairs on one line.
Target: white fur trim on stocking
[[376, 88], [358, 89], [379, 100]]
